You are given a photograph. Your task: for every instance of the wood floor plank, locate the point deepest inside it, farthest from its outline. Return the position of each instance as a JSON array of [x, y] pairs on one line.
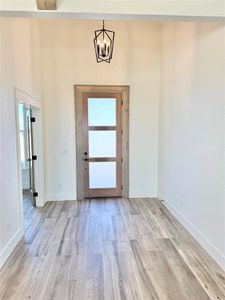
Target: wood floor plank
[[38, 277], [94, 281], [77, 273], [160, 273], [57, 285], [113, 287], [184, 275], [200, 271], [108, 249]]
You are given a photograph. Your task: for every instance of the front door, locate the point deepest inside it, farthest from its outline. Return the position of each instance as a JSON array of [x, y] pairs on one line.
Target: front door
[[102, 144]]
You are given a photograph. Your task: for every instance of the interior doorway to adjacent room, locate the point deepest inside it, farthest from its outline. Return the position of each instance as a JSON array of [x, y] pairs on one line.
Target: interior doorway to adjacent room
[[30, 163], [27, 157]]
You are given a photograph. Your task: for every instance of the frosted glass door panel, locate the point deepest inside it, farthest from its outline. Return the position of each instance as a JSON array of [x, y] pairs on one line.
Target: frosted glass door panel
[[102, 143], [101, 112], [102, 175]]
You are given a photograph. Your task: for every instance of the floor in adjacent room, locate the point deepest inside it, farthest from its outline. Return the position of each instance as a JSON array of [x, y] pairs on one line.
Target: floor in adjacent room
[[108, 249]]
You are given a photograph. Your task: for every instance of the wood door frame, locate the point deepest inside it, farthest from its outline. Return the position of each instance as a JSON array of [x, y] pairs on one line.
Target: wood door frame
[[123, 90]]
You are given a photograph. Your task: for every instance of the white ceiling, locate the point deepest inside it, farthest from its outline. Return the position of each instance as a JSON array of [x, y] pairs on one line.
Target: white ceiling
[[210, 10]]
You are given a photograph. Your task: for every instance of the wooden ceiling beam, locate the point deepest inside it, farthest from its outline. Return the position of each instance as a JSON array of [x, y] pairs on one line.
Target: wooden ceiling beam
[[46, 4]]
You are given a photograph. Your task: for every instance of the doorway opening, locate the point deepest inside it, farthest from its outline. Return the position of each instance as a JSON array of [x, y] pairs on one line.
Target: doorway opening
[[27, 157], [30, 163], [102, 141]]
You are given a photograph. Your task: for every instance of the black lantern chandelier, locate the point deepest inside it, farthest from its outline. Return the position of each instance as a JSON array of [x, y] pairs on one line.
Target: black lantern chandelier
[[103, 43]]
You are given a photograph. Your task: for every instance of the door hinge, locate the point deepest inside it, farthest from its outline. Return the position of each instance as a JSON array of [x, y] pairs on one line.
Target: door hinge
[[121, 131], [121, 160], [121, 187], [35, 194], [32, 119], [122, 102]]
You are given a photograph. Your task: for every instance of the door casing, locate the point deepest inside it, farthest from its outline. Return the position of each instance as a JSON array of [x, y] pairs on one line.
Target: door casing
[[79, 90]]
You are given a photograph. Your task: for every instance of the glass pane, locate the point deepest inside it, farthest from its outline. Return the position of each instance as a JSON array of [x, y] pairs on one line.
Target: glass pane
[[101, 111], [102, 143], [22, 148], [21, 116], [102, 174]]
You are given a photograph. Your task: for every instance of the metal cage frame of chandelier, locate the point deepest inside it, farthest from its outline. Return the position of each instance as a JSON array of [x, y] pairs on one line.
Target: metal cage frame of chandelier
[[104, 54]]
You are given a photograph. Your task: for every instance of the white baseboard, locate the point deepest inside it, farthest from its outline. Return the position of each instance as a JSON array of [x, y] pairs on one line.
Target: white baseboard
[[142, 194], [72, 197], [60, 197], [210, 248], [7, 250]]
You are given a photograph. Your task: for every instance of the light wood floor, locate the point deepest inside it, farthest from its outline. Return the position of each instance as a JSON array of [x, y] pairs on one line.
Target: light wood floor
[[108, 249]]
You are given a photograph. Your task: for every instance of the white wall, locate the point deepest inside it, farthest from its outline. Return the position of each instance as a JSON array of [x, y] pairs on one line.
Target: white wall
[[68, 58], [19, 65], [192, 134]]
